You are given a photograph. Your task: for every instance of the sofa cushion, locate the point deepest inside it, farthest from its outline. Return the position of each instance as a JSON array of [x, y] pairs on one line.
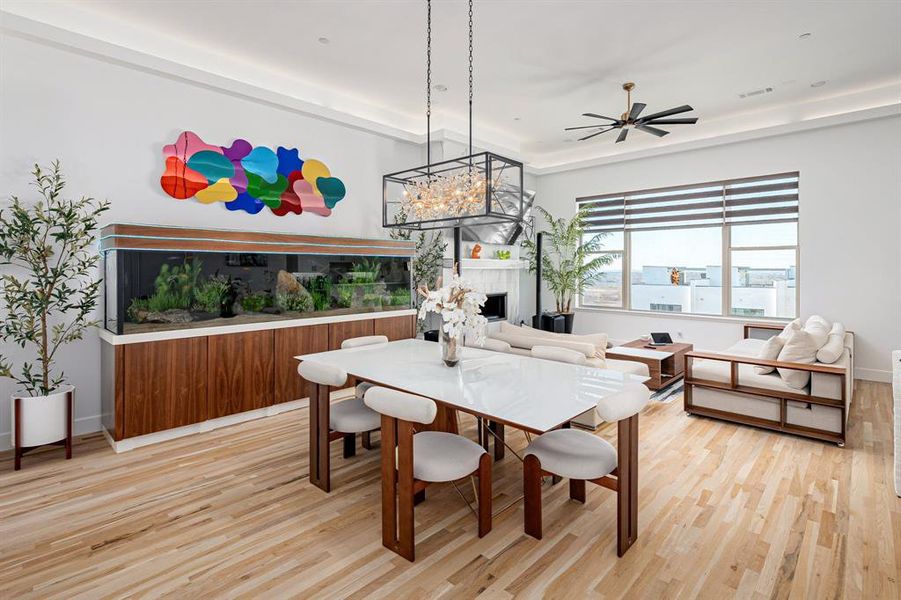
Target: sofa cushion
[[526, 342], [598, 340], [629, 367], [819, 329], [718, 370], [801, 347], [832, 350], [790, 327], [559, 354], [769, 351]]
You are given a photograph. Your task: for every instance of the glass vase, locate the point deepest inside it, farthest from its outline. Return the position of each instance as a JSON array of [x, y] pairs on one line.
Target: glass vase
[[450, 348]]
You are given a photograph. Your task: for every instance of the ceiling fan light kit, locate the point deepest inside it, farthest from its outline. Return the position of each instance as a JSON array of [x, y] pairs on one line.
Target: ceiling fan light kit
[[632, 119]]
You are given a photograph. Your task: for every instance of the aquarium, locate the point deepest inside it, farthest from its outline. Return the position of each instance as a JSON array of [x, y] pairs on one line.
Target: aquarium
[[156, 290]]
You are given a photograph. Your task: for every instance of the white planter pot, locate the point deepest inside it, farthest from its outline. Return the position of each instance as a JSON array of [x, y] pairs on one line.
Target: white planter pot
[[41, 420]]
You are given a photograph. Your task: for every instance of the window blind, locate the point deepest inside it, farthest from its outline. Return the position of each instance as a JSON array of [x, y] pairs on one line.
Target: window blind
[[763, 199]]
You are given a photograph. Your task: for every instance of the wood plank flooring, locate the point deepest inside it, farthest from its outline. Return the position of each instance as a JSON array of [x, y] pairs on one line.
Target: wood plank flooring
[[725, 511]]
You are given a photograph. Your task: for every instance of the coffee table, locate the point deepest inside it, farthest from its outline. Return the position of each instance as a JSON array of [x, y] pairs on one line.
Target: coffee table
[[666, 364]]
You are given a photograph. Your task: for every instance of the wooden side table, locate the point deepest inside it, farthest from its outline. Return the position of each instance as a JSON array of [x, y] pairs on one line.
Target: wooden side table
[[666, 364]]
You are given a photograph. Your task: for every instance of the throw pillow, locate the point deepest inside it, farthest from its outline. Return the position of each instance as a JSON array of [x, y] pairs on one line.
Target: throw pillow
[[819, 328], [528, 341], [834, 347], [801, 347], [769, 351], [598, 340], [790, 328]]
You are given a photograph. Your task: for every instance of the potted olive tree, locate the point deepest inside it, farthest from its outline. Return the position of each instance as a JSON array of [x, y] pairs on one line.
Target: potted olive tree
[[48, 294], [570, 260]]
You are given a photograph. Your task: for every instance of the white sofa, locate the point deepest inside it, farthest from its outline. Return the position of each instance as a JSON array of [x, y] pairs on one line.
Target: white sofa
[[728, 385], [520, 340]]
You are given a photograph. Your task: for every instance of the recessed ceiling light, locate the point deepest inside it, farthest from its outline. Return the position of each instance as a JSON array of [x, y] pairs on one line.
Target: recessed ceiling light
[[568, 140], [324, 40], [439, 87], [804, 36], [516, 118], [818, 84]]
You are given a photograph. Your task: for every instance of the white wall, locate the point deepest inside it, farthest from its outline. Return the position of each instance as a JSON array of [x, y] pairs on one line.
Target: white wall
[[850, 198], [107, 124]]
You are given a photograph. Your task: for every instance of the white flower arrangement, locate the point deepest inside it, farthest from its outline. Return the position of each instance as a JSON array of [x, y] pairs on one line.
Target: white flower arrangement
[[459, 306]]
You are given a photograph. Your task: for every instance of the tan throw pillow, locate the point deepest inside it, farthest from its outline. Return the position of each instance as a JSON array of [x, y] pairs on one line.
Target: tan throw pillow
[[528, 341], [834, 347], [819, 328], [801, 347], [769, 351], [790, 328]]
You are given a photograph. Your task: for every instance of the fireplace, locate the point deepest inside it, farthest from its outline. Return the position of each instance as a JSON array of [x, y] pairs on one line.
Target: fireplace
[[495, 308]]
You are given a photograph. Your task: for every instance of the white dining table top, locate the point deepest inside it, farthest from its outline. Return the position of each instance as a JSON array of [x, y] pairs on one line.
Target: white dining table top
[[530, 393]]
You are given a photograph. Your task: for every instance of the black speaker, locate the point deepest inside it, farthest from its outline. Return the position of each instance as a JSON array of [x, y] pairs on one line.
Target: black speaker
[[549, 322]]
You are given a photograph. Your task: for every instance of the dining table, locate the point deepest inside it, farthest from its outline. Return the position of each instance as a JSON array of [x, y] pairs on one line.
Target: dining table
[[498, 388]]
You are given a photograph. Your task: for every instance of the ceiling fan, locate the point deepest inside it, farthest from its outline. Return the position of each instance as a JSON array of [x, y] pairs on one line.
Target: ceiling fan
[[631, 119]]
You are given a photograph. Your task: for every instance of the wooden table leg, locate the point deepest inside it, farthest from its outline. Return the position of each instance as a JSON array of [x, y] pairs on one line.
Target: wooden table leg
[[389, 484], [319, 436], [627, 488], [405, 531]]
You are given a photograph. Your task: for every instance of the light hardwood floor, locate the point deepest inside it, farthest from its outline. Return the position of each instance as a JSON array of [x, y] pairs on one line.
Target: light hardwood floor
[[725, 511]]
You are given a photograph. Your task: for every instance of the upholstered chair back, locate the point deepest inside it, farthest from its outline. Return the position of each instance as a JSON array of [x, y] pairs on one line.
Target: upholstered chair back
[[625, 403], [401, 405], [366, 340], [559, 354], [322, 374]]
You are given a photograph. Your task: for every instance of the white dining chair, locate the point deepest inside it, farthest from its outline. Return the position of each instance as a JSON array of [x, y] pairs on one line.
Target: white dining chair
[[346, 418], [360, 388], [580, 456], [421, 458]]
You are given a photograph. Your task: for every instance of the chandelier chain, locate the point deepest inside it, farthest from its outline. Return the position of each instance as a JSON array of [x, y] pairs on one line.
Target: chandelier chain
[[428, 87], [470, 84]]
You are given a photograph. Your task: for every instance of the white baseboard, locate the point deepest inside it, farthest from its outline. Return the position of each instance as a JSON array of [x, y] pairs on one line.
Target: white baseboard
[[171, 434], [81, 426], [873, 375]]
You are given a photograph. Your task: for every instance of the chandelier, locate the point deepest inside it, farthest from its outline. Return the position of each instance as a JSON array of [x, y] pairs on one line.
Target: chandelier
[[480, 188]]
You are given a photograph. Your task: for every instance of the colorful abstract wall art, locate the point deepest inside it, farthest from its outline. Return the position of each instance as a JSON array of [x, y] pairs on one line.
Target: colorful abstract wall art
[[248, 178]]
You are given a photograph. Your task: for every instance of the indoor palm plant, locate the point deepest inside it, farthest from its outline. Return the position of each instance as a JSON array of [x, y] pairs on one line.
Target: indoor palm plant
[[49, 281], [569, 259]]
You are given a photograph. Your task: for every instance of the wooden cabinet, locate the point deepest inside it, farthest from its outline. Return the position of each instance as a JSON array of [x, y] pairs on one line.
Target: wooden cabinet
[[289, 343], [395, 328], [165, 385], [241, 372], [153, 386], [338, 332]]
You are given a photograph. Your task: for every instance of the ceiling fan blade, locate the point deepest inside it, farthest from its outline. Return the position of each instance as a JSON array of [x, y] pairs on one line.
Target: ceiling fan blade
[[599, 117], [652, 130], [594, 134], [585, 127], [622, 135], [637, 107], [666, 113], [670, 121]]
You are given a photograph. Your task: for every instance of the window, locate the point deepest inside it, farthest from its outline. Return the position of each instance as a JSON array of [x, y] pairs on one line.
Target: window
[[726, 248]]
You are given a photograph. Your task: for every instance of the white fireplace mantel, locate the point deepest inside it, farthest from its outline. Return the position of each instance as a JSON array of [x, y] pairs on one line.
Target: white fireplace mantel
[[468, 264]]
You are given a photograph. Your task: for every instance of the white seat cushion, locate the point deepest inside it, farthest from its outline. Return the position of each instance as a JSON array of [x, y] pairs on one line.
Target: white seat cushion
[[573, 454], [440, 456], [352, 416]]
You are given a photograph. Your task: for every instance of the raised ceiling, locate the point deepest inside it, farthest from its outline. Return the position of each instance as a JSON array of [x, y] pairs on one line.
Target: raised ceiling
[[539, 64]]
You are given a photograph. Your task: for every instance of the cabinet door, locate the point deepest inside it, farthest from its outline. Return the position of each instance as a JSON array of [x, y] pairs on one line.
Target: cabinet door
[[289, 343], [241, 372], [338, 332], [165, 385], [396, 328]]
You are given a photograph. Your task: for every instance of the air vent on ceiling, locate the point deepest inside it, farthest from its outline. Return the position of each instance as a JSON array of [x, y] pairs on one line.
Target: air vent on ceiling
[[760, 92]]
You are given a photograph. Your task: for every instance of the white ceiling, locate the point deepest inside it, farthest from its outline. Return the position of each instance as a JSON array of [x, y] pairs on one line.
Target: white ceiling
[[538, 64]]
